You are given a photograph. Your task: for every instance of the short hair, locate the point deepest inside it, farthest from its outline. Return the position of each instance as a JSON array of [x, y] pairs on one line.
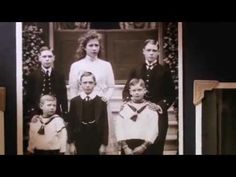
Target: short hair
[[137, 81], [87, 73], [45, 48], [151, 41], [47, 97]]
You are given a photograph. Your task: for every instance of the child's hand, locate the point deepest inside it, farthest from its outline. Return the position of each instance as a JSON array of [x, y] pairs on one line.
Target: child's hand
[[72, 149], [128, 151], [102, 150], [35, 118], [155, 107], [139, 150]]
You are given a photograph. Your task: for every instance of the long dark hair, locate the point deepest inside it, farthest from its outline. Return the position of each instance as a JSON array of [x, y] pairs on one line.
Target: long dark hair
[[83, 41]]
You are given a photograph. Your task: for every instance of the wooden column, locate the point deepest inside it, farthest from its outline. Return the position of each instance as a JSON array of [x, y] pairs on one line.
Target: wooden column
[[2, 109], [161, 42], [51, 35]]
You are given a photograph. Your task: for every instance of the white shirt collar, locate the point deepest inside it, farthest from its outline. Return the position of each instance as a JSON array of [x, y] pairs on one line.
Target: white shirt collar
[[152, 63], [48, 69], [91, 95], [150, 66]]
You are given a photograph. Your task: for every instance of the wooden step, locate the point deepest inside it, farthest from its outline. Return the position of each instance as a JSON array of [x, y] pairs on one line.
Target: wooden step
[[118, 91], [172, 130], [171, 145], [171, 137], [174, 152], [173, 122]]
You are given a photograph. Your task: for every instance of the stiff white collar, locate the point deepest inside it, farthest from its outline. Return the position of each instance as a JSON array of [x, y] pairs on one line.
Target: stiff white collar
[[150, 66], [152, 63], [91, 95], [48, 69]]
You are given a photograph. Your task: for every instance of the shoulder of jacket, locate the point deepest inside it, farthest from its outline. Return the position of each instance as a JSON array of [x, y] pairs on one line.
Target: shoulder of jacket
[[78, 97], [35, 119], [99, 98]]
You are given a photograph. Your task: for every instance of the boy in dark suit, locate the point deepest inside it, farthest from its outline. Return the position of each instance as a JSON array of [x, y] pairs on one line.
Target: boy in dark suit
[[46, 80], [88, 123], [160, 89]]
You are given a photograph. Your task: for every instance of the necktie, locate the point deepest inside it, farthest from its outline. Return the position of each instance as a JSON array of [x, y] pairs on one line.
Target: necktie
[[87, 98], [148, 67], [47, 73]]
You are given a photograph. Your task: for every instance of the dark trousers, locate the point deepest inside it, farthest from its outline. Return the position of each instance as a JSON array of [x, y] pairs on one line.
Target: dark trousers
[[158, 146], [88, 141], [132, 143], [47, 152]]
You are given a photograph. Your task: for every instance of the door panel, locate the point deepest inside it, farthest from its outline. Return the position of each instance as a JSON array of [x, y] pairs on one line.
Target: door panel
[[123, 48]]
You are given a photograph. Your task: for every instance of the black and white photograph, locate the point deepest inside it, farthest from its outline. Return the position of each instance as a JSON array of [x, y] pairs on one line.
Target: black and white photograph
[[117, 88], [99, 88]]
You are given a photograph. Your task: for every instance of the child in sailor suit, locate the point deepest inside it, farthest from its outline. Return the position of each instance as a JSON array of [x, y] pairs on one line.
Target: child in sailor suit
[[137, 123], [47, 133]]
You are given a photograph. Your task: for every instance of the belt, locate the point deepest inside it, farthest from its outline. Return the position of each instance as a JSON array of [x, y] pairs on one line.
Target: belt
[[86, 123]]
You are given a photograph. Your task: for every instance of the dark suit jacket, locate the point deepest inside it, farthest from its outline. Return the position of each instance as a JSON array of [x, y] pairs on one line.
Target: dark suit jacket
[[161, 86], [161, 91], [34, 90], [75, 119]]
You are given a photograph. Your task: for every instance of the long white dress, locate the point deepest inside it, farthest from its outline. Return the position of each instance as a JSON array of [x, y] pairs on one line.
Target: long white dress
[[105, 85]]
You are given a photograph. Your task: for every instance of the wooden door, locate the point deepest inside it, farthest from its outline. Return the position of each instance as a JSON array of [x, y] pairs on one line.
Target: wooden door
[[123, 48]]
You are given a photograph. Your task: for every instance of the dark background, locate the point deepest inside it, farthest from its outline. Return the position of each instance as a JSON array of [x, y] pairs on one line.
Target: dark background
[[209, 53], [8, 80]]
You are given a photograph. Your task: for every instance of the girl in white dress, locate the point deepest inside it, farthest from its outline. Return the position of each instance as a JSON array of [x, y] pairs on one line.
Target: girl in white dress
[[88, 54]]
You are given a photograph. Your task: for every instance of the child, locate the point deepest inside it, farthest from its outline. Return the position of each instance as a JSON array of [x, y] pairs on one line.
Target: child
[[160, 88], [88, 123], [47, 133], [44, 81], [136, 124]]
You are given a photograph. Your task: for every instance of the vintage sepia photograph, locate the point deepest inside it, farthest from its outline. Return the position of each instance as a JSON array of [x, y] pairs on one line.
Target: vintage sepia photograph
[[99, 88]]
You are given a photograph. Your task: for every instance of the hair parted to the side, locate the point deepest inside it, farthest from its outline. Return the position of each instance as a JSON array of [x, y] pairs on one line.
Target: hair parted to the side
[[151, 41], [83, 41], [47, 97], [137, 81], [87, 73], [45, 48]]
